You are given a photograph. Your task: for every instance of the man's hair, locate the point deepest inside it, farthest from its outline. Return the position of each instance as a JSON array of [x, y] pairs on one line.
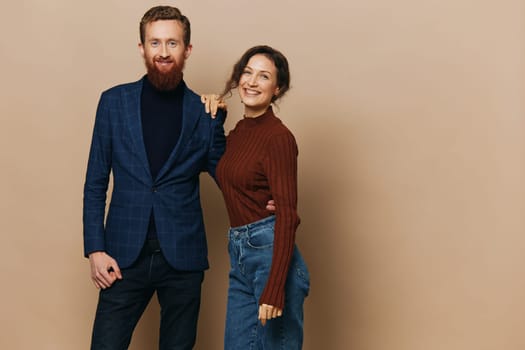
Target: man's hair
[[278, 59], [158, 13]]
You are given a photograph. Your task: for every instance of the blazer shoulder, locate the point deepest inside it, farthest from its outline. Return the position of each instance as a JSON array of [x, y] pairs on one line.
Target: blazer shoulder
[[191, 96], [192, 103], [192, 100], [121, 89]]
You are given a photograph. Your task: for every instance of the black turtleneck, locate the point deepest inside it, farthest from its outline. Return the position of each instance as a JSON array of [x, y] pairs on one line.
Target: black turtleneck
[[161, 113]]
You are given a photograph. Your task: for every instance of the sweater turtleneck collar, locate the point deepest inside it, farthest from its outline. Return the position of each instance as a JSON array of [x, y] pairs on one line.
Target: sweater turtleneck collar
[[149, 86], [253, 121]]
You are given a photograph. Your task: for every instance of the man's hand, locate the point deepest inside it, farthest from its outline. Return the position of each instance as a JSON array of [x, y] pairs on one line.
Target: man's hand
[[267, 312], [270, 206], [104, 270], [212, 103]]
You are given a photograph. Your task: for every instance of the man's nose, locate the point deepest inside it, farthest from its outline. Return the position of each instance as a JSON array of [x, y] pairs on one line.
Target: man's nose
[[164, 52]]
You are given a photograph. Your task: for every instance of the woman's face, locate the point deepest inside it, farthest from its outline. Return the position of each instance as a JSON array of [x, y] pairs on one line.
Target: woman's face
[[258, 85]]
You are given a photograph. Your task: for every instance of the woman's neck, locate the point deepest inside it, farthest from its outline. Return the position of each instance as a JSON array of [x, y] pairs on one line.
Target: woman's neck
[[254, 113]]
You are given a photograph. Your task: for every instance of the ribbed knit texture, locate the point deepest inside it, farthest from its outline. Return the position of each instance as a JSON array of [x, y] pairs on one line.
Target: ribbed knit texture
[[260, 163]]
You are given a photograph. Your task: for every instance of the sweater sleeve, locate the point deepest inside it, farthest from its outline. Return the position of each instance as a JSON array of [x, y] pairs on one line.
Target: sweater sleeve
[[281, 168]]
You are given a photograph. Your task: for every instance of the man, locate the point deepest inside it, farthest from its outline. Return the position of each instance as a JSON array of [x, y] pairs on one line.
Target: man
[[155, 137]]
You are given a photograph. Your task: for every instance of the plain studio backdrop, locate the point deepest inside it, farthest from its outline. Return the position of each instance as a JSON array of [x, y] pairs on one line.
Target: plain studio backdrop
[[410, 121]]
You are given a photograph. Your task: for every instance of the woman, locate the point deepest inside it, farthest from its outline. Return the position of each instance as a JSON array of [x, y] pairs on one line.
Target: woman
[[268, 278]]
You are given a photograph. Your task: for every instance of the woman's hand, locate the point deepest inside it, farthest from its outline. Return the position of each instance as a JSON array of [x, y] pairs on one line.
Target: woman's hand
[[267, 312], [212, 103]]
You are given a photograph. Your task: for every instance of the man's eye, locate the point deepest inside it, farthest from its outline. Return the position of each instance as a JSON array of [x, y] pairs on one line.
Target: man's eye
[[172, 44]]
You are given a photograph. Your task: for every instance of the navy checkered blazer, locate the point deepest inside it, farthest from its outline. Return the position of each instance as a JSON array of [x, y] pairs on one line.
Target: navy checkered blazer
[[117, 147]]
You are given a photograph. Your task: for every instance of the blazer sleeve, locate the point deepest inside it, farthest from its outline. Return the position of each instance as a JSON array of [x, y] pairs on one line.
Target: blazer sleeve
[[97, 179], [217, 143]]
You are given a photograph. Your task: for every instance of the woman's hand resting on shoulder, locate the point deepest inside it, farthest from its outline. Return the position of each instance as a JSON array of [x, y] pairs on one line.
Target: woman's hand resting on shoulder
[[212, 103]]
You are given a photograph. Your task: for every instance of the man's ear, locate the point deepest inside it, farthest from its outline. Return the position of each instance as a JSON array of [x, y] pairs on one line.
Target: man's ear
[[187, 51], [141, 49]]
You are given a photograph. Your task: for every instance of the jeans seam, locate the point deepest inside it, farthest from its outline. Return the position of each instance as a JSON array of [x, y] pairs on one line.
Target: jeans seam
[[254, 337], [151, 265]]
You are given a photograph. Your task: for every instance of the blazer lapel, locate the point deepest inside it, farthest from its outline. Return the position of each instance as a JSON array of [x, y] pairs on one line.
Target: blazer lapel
[[131, 100]]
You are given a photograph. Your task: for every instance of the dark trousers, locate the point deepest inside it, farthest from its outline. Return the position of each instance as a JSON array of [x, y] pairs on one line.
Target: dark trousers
[[121, 306]]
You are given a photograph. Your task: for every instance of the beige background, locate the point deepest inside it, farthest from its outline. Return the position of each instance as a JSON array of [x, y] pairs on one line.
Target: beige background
[[409, 116]]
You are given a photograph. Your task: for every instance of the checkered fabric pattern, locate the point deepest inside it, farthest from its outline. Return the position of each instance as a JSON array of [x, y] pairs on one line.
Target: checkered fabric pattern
[[117, 148]]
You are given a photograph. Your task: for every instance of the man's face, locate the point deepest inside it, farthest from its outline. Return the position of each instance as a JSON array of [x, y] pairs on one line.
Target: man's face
[[164, 53]]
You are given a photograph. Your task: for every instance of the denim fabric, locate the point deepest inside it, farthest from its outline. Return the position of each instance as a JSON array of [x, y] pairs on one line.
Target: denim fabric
[[251, 249], [121, 305]]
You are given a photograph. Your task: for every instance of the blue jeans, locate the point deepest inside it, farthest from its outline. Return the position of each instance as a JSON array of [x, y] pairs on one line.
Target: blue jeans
[[121, 305], [251, 249]]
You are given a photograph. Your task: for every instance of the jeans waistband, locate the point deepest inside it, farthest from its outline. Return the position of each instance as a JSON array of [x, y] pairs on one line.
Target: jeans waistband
[[254, 224]]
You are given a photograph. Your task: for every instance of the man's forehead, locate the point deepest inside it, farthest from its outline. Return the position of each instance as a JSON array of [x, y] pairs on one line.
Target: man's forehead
[[164, 28]]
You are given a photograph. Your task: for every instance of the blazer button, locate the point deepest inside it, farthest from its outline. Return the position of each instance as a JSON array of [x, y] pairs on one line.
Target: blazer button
[[154, 189]]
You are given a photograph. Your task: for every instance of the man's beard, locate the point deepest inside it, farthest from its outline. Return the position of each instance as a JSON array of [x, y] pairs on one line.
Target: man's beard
[[163, 80]]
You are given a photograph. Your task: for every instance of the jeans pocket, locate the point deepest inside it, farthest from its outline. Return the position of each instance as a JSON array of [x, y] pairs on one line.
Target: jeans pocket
[[261, 239]]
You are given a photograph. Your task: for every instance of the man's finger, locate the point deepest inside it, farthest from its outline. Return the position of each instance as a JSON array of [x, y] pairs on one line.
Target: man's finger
[[100, 284], [97, 285], [116, 269], [105, 278]]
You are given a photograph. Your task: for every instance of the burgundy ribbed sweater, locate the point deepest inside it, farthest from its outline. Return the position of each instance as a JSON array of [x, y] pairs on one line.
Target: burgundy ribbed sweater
[[260, 163]]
